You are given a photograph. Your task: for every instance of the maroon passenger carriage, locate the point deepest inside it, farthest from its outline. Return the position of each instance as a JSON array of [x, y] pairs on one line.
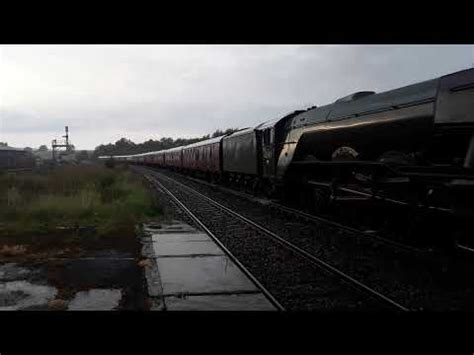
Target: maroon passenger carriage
[[173, 158], [203, 158]]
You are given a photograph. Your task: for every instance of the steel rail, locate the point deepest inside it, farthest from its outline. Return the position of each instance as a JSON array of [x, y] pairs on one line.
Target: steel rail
[[349, 279], [390, 200], [375, 237], [316, 218], [465, 248], [257, 283]]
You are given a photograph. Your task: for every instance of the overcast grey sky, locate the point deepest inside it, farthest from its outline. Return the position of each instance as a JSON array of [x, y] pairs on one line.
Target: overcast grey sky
[[150, 91]]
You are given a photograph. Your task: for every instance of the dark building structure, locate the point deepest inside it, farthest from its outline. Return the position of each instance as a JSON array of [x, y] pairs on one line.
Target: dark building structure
[[14, 158]]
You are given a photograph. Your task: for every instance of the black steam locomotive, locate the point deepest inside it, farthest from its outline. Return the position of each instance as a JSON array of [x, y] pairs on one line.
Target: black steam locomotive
[[409, 146]]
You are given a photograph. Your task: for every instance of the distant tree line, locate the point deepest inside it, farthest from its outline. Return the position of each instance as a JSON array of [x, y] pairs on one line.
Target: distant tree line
[[125, 146]]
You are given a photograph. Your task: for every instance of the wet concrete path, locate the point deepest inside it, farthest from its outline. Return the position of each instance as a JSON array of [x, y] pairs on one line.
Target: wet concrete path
[[102, 281], [188, 271]]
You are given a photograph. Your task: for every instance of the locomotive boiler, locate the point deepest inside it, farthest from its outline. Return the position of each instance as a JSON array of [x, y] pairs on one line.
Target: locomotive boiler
[[419, 134]]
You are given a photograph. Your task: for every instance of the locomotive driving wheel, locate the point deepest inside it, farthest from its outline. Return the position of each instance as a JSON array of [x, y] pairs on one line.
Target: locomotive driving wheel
[[345, 153]]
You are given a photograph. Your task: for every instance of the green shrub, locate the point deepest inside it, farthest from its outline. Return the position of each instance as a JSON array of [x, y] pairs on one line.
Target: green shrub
[[74, 195]]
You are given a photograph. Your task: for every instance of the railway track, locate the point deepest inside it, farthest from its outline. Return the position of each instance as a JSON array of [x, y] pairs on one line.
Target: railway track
[[196, 220], [293, 212], [308, 281], [424, 253], [410, 276]]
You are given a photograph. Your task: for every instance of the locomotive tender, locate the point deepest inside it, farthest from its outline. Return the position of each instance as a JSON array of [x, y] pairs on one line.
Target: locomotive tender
[[414, 144]]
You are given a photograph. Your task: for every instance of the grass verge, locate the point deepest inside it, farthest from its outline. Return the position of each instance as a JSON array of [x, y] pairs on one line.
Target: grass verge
[[73, 200]]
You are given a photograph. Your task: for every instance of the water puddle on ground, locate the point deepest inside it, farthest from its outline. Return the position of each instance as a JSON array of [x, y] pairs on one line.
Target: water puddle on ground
[[11, 272], [96, 300], [22, 289], [17, 295]]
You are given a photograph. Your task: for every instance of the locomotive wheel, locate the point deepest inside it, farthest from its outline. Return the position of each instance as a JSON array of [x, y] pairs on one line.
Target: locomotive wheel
[[344, 154]]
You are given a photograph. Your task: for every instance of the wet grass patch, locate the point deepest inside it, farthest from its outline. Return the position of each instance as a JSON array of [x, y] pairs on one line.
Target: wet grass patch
[[76, 203]]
